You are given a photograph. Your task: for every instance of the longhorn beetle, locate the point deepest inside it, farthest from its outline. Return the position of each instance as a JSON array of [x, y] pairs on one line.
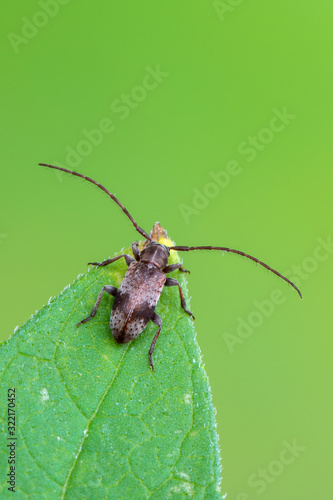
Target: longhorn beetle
[[136, 299]]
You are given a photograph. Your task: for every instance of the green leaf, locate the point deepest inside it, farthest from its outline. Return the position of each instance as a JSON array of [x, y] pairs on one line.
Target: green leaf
[[92, 419]]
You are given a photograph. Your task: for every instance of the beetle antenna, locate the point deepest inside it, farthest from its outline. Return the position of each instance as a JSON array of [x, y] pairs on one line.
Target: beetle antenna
[[112, 196], [223, 249]]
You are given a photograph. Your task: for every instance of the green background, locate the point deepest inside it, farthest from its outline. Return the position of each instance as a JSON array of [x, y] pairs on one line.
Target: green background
[[226, 67]]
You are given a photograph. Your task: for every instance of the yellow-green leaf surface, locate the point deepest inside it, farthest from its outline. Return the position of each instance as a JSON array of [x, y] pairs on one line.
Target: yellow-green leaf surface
[[92, 419]]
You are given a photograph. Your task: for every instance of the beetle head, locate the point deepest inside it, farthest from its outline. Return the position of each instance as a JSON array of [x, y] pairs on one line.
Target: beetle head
[[156, 254]]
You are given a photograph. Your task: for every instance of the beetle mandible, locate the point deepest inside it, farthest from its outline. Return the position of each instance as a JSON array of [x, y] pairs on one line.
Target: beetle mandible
[[136, 299]]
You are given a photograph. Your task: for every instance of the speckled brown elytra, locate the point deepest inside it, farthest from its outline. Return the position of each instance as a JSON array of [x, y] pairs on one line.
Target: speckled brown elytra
[[136, 299]]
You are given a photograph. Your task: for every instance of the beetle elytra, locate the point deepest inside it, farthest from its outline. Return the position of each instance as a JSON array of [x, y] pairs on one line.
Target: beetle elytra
[[136, 299]]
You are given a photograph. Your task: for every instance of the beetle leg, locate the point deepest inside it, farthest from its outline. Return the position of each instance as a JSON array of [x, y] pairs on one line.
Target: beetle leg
[[173, 267], [173, 282], [136, 251], [112, 290], [127, 257], [157, 320]]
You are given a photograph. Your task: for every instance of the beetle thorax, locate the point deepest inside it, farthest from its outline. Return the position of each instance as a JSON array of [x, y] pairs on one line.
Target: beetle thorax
[[155, 254]]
